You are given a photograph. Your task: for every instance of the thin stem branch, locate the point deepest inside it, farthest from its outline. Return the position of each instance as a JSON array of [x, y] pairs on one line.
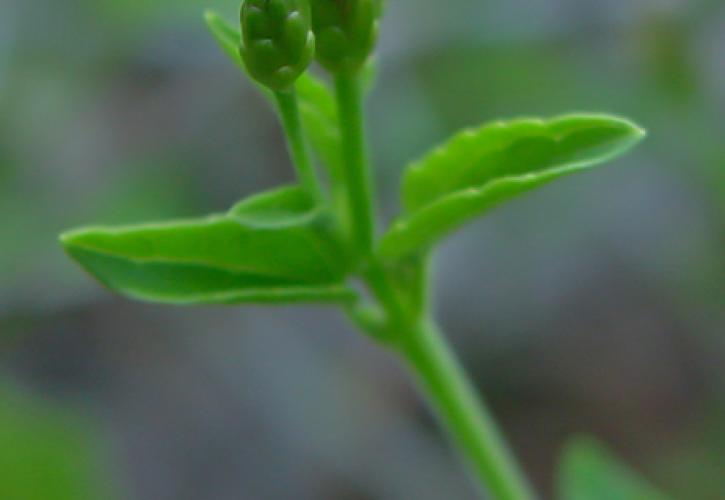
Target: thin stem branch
[[356, 169], [289, 112]]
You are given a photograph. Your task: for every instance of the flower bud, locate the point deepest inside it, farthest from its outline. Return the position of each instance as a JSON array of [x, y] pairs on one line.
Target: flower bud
[[346, 32], [277, 41]]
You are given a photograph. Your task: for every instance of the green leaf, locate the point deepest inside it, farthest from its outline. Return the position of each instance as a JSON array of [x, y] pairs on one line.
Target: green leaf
[[370, 74], [318, 111], [588, 471], [479, 169], [286, 206], [228, 37], [274, 247]]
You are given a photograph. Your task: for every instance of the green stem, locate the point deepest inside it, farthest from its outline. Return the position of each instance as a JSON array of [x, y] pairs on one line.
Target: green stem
[[289, 112], [447, 387], [356, 170], [462, 412], [419, 342]]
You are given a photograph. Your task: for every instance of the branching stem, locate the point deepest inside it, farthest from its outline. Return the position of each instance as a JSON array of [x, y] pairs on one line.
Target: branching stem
[[407, 329]]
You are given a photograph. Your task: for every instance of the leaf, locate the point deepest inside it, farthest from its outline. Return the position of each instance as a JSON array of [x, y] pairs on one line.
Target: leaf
[[46, 453], [271, 248], [278, 208], [479, 169], [588, 471], [228, 38], [318, 111], [370, 74]]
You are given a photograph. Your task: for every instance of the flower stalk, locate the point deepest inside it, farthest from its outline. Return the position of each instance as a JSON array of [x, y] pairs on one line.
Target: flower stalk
[[277, 46], [356, 169]]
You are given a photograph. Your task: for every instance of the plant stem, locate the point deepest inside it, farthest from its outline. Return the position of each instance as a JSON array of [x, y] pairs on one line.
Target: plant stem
[[289, 112], [356, 172], [462, 412], [446, 385], [419, 342]]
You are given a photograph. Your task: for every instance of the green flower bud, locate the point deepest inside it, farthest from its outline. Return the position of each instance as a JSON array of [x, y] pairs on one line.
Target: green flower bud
[[346, 32], [277, 41]]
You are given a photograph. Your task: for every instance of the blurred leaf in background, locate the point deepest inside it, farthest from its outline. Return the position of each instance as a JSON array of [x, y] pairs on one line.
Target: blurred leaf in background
[[45, 453], [591, 472]]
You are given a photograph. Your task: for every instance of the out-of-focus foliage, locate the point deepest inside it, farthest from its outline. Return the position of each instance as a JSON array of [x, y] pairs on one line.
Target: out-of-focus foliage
[[590, 472], [46, 453]]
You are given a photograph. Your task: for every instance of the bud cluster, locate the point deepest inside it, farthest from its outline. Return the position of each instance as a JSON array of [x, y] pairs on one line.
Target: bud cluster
[[346, 31], [277, 40], [281, 37]]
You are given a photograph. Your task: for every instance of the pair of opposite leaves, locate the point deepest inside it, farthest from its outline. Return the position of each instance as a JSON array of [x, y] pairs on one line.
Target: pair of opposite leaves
[[281, 247]]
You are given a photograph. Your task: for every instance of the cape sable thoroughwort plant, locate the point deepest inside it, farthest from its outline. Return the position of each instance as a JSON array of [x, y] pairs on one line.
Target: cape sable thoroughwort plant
[[310, 242]]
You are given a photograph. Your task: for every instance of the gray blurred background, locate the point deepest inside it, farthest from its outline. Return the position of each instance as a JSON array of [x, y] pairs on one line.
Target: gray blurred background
[[595, 305]]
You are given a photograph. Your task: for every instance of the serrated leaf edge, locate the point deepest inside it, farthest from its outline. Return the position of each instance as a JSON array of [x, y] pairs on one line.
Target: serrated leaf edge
[[474, 192]]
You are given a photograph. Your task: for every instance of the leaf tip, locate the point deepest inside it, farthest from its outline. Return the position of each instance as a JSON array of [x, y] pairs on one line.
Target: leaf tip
[[210, 16], [70, 242], [639, 132], [75, 241], [68, 238]]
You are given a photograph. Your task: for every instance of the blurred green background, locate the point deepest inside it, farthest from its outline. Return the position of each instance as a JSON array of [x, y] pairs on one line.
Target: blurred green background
[[596, 305]]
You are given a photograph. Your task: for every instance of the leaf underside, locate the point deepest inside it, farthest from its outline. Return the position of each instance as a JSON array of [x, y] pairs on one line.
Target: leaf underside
[[274, 247], [479, 169]]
